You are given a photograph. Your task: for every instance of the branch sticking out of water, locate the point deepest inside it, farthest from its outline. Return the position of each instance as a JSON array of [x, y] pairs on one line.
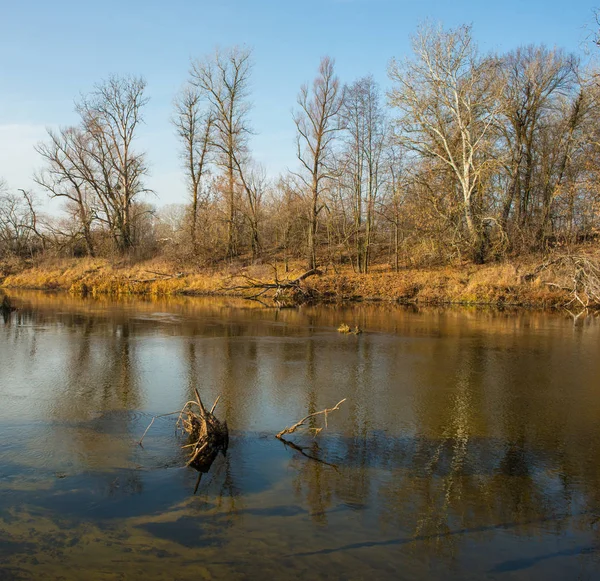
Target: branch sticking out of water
[[152, 421], [324, 412]]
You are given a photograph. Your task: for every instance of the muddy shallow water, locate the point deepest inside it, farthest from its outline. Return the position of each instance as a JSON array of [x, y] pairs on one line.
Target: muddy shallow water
[[468, 447]]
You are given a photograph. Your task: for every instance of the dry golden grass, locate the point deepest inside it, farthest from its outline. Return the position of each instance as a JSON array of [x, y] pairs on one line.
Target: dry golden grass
[[495, 284]]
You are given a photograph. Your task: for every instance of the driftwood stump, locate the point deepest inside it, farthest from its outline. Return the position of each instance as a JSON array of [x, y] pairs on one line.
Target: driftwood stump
[[208, 436]]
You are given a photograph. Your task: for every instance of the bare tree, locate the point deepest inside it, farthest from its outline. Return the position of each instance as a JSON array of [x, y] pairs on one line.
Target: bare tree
[[69, 174], [447, 97], [284, 209], [223, 80], [317, 122], [366, 134], [557, 152], [195, 130], [536, 78], [94, 165], [19, 232], [111, 115], [395, 192], [170, 221], [255, 184]]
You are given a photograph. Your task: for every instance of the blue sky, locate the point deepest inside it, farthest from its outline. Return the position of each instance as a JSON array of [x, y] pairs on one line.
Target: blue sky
[[52, 51]]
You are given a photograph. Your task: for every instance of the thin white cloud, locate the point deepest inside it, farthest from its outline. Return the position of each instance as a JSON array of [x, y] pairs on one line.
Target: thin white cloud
[[18, 159]]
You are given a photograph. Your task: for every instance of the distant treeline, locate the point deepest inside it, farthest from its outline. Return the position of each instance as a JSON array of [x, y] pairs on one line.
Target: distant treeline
[[468, 156]]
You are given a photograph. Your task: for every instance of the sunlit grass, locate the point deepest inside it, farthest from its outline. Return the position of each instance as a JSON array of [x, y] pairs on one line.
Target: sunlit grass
[[497, 283]]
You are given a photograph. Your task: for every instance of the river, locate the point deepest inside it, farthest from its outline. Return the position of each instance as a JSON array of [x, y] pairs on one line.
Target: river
[[468, 446]]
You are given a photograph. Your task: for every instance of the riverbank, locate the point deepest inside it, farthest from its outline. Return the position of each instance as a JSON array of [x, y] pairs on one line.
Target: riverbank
[[497, 284]]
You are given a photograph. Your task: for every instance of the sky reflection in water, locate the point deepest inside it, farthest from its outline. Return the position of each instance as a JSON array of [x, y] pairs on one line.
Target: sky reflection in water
[[468, 448]]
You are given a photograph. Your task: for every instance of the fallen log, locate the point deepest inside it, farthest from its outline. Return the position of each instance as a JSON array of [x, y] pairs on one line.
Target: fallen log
[[283, 290]]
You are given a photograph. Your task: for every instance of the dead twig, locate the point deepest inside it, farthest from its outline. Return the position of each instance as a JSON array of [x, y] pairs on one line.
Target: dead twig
[[212, 409], [152, 421], [324, 412]]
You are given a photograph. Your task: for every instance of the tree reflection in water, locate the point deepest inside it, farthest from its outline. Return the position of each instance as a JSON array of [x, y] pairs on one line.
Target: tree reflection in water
[[463, 432]]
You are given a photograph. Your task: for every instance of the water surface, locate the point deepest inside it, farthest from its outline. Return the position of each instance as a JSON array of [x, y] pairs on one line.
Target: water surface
[[468, 447]]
